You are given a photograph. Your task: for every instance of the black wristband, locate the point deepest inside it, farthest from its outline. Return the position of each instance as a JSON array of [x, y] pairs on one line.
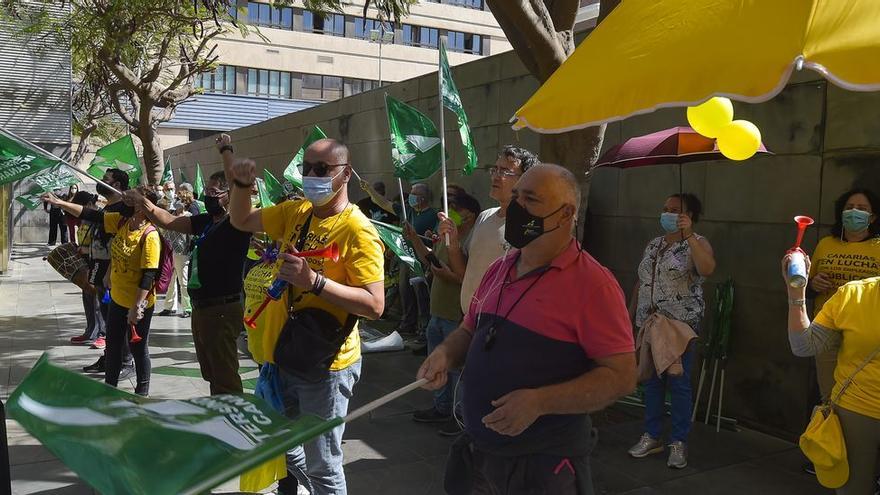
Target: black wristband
[[320, 282], [241, 184], [226, 147]]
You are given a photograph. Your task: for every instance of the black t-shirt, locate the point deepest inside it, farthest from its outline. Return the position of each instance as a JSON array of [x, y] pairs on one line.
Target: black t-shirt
[[221, 257]]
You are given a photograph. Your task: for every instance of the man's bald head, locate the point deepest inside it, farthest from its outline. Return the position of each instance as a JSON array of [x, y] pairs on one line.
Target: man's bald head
[[567, 184], [329, 151]]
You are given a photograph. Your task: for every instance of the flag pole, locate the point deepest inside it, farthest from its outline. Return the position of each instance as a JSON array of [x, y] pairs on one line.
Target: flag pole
[[402, 199], [60, 160], [381, 401], [442, 128]]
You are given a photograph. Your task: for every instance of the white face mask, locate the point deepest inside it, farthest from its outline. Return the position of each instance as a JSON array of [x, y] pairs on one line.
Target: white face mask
[[319, 190], [170, 194]]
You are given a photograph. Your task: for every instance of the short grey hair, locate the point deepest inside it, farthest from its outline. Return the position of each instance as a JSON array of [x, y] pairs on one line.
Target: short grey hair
[[428, 195], [571, 190], [186, 186]]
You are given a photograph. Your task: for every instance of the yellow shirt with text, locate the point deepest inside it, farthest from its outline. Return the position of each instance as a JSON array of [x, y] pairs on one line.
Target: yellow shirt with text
[[256, 283], [844, 262], [360, 263], [852, 311], [130, 253]]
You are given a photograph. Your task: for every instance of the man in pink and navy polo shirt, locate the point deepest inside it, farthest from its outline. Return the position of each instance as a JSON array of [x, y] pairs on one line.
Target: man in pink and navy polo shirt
[[547, 340]]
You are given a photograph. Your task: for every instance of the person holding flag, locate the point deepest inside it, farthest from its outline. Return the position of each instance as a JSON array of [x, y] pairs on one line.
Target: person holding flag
[[317, 372]]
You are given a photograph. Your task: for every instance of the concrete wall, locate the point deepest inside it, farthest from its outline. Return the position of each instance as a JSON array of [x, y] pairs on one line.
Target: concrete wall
[[825, 140]]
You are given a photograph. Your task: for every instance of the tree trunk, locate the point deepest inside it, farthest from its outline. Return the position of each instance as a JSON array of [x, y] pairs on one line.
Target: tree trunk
[[153, 162]]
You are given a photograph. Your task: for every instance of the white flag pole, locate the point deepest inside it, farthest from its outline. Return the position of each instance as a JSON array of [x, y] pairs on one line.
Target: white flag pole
[[402, 199], [384, 400], [442, 127], [56, 157]]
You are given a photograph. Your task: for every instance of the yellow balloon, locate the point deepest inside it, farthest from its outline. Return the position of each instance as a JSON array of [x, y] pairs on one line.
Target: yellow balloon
[[710, 117], [739, 140]]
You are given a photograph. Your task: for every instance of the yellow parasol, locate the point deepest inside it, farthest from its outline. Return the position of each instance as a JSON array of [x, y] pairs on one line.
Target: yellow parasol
[[650, 54]]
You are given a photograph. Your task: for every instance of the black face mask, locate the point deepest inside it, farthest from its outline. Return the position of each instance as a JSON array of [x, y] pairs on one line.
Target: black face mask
[[213, 206], [103, 190], [521, 227]]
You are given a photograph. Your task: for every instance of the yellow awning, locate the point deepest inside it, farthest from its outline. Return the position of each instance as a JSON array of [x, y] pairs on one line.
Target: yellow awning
[[650, 54]]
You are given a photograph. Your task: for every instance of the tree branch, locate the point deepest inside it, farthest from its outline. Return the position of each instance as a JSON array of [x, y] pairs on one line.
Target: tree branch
[[530, 30]]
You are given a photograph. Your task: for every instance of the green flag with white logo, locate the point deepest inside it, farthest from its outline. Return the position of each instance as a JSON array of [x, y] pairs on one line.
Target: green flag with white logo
[[274, 188], [199, 184], [56, 177], [415, 144], [121, 443], [19, 159], [263, 194], [392, 236], [167, 176], [452, 101], [118, 154], [292, 173]]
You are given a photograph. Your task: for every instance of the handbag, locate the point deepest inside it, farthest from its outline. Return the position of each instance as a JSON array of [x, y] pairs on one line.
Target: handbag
[[823, 443], [311, 337]]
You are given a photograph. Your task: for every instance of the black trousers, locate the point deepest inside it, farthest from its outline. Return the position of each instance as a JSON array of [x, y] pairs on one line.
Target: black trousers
[[118, 335], [56, 223]]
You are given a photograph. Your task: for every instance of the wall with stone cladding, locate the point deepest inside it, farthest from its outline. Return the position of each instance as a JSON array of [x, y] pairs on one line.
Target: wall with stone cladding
[[824, 139]]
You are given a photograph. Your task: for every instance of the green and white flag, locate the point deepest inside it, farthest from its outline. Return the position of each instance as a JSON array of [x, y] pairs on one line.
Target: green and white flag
[[56, 177], [452, 101], [393, 238], [121, 443], [118, 154], [199, 184], [292, 172], [415, 144], [274, 188], [19, 160], [263, 196], [167, 176]]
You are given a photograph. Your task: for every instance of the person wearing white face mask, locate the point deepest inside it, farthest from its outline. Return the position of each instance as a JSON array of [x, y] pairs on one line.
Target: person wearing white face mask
[[671, 275], [317, 373], [851, 252]]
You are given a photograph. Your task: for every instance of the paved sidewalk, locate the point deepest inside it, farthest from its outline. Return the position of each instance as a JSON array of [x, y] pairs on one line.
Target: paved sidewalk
[[386, 453]]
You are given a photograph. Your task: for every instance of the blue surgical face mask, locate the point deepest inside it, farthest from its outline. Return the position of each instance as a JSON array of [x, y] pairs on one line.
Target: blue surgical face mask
[[856, 220], [413, 200], [319, 190], [669, 222]]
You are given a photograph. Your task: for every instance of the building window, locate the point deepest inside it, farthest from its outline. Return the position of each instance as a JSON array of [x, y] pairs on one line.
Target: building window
[[471, 4], [263, 14], [455, 41], [428, 37], [473, 43], [362, 27], [311, 87], [353, 86], [221, 80], [333, 24], [408, 35], [262, 82]]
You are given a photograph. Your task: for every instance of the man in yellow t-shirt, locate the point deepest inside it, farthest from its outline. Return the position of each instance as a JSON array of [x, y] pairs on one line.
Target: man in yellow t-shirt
[[353, 285]]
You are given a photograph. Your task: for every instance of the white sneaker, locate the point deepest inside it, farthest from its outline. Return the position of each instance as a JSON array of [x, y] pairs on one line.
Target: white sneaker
[[647, 445], [677, 455]]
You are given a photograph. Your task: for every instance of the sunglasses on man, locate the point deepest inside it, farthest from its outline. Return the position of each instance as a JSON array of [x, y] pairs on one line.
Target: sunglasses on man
[[320, 168]]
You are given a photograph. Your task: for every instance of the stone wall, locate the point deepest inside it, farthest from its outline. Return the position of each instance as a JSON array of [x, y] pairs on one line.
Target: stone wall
[[824, 140]]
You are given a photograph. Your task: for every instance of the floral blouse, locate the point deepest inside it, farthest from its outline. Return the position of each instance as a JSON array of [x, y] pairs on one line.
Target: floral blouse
[[678, 288]]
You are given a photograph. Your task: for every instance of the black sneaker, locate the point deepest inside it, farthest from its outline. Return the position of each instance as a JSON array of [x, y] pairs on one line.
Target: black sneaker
[[450, 429], [430, 416], [126, 372], [167, 312], [96, 367], [186, 314]]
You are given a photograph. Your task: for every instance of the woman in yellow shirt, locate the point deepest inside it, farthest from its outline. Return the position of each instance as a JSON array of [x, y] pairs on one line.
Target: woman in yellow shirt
[[847, 326], [134, 265], [851, 252]]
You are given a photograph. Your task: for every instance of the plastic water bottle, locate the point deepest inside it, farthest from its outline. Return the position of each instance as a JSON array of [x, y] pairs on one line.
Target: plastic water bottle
[[106, 298], [797, 270]]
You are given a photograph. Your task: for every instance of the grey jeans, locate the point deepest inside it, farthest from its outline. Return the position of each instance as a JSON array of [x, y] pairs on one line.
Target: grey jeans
[[320, 460]]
